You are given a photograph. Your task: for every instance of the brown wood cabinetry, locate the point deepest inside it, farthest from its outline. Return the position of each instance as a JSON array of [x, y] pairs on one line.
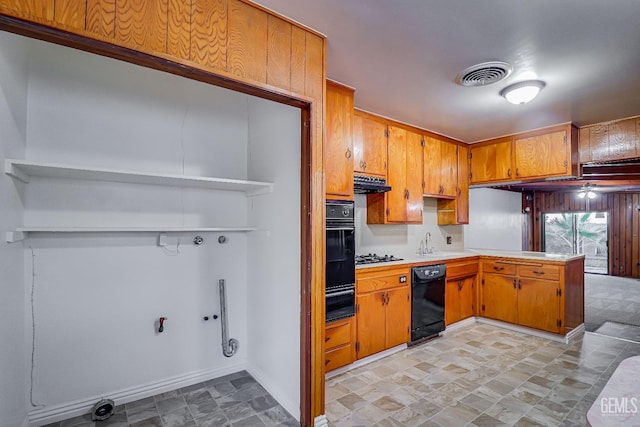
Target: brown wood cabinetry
[[338, 150], [456, 211], [340, 343], [460, 291], [369, 145], [403, 204], [545, 153], [383, 299], [533, 294], [616, 140], [440, 165]]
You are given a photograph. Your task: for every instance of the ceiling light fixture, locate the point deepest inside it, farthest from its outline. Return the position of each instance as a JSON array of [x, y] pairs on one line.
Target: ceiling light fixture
[[522, 92], [587, 190]]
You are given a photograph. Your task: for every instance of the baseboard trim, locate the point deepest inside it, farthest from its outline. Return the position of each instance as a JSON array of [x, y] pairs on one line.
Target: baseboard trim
[[459, 325], [292, 407], [574, 333], [365, 361], [64, 411], [525, 330], [321, 421]]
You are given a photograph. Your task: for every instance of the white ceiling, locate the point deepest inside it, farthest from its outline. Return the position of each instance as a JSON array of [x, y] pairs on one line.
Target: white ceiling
[[403, 56]]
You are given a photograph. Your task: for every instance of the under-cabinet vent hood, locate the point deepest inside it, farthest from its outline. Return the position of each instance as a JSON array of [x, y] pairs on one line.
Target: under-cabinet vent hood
[[367, 184]]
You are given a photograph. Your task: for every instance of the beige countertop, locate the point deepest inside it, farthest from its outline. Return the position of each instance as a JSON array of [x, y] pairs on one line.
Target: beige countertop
[[443, 256]]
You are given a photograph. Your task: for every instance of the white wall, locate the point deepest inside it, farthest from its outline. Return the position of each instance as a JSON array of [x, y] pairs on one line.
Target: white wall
[[403, 240], [98, 296], [273, 290], [13, 357], [495, 220]]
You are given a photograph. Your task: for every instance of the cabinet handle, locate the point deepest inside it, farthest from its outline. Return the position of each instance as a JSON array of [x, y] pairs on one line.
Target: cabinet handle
[[514, 283], [388, 298], [362, 164], [498, 268], [365, 165], [460, 285], [539, 273], [326, 339], [519, 284], [509, 172], [326, 362], [459, 191], [517, 173], [348, 153]]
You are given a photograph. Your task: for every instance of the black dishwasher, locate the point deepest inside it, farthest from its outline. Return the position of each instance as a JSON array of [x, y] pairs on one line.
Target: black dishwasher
[[427, 301]]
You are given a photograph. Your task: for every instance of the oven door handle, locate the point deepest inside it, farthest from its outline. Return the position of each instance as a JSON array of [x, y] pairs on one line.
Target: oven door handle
[[337, 294], [340, 228]]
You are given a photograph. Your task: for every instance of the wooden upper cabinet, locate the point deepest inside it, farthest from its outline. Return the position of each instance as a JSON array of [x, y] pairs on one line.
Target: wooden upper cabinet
[[338, 150], [440, 166], [403, 204], [462, 196], [616, 140], [540, 154], [369, 145], [491, 162], [543, 155]]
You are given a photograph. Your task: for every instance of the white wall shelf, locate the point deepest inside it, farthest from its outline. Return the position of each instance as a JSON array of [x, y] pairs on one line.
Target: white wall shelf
[[23, 170], [22, 232]]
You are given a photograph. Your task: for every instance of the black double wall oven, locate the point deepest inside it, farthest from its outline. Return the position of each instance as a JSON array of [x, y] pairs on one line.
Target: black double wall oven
[[340, 266]]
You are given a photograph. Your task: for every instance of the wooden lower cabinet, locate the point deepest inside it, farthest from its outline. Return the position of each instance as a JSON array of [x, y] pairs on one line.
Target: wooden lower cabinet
[[459, 299], [340, 343], [383, 301], [534, 294], [460, 291]]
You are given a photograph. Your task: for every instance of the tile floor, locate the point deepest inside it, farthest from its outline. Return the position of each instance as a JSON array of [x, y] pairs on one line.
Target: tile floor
[[235, 400], [610, 298], [479, 375]]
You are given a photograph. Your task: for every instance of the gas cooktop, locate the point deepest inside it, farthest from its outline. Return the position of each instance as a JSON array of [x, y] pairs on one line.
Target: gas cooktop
[[375, 258]]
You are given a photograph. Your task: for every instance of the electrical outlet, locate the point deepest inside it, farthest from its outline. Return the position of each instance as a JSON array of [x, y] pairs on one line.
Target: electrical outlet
[[448, 240]]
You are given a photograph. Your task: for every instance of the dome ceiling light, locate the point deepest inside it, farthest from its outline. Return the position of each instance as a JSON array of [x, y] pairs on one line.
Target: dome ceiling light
[[522, 92]]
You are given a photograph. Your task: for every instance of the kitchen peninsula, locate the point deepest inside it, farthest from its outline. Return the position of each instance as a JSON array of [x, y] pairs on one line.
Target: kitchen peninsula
[[533, 292]]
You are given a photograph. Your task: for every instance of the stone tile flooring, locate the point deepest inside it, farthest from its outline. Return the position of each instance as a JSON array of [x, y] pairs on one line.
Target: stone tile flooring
[[235, 400], [479, 375], [609, 298]]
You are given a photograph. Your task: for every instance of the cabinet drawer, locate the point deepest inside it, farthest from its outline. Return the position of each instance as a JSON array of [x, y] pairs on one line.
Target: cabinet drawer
[[337, 334], [462, 269], [547, 272], [338, 357], [375, 281], [498, 267]]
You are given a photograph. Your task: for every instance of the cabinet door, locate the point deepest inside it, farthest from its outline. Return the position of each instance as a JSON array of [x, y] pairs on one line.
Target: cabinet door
[[398, 316], [467, 297], [543, 155], [462, 198], [452, 306], [499, 297], [397, 175], [370, 323], [338, 164], [432, 161], [538, 304], [491, 162], [415, 200], [449, 169], [370, 144]]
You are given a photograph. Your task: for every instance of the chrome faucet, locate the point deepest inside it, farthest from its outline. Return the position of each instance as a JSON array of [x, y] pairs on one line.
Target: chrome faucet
[[428, 249]]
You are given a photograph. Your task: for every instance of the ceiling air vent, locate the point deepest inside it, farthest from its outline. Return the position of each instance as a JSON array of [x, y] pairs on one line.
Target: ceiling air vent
[[484, 74]]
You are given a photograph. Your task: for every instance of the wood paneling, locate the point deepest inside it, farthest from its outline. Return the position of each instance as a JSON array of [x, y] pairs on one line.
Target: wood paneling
[[624, 224], [179, 29], [278, 52], [71, 12], [142, 23], [298, 54], [43, 9], [247, 46], [101, 17], [209, 33]]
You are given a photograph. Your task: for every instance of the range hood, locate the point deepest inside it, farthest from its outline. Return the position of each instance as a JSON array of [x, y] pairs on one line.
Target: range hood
[[363, 184]]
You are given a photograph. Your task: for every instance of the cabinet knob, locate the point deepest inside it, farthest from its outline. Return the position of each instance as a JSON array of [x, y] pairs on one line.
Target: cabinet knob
[[517, 173], [348, 153], [365, 165], [509, 172], [514, 283]]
